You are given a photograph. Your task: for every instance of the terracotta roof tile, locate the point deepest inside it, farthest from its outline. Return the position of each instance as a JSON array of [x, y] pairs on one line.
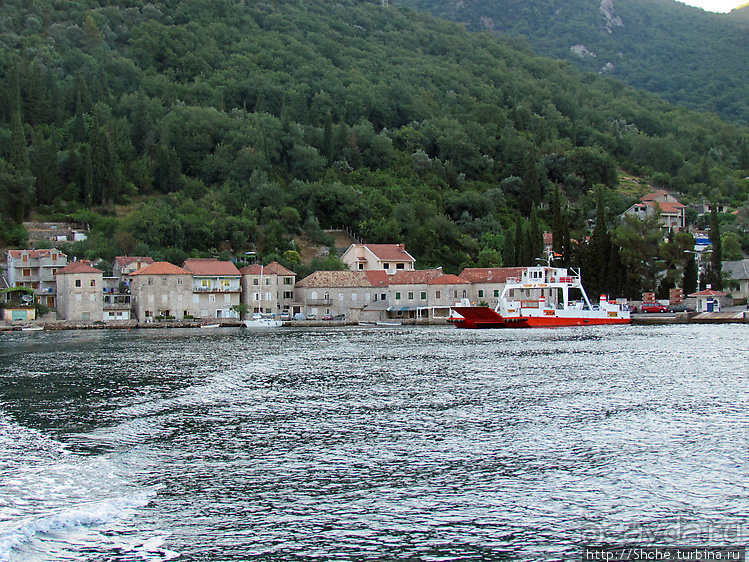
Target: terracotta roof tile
[[45, 253], [210, 266], [448, 279], [80, 266], [708, 293], [378, 278], [273, 268], [388, 252], [490, 274], [341, 279], [415, 276], [161, 268], [668, 208]]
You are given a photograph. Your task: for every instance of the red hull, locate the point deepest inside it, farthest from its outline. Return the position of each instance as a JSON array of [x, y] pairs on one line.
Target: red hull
[[485, 317]]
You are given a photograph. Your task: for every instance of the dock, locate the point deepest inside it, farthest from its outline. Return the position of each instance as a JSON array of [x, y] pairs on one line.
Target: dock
[[733, 317]]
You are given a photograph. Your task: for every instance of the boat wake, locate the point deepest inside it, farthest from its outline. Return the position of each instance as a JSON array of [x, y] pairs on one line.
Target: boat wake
[[57, 505]]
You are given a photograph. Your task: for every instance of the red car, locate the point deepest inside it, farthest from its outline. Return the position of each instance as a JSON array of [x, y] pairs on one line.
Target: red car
[[650, 307]]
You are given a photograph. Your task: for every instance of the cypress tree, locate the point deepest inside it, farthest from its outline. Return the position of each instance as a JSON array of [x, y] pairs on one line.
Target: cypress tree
[[716, 258], [599, 251], [536, 238], [19, 156], [557, 231], [519, 242], [689, 280], [509, 248]]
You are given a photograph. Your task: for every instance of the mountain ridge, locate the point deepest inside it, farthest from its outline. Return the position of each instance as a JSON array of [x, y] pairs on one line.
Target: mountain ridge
[[685, 54]]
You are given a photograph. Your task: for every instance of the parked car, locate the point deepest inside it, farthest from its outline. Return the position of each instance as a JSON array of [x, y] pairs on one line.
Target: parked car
[[285, 315], [680, 308], [653, 307], [327, 317]]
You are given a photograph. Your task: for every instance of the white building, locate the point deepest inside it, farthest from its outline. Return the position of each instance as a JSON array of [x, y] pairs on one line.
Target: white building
[[36, 269], [378, 257]]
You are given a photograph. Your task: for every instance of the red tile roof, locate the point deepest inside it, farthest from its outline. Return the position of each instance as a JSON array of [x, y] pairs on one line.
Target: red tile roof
[[708, 293], [45, 253], [490, 274], [378, 278], [80, 266], [161, 268], [389, 252], [273, 268], [668, 208], [210, 266], [415, 276], [448, 279]]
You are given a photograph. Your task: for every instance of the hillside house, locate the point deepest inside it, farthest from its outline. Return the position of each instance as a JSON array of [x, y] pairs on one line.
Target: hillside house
[[36, 269], [378, 257], [123, 266], [672, 211]]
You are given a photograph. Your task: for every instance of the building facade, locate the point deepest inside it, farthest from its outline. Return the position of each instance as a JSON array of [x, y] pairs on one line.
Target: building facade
[[36, 269], [342, 294], [216, 288], [671, 209], [378, 257], [161, 291], [79, 293], [487, 283], [123, 266], [269, 289]]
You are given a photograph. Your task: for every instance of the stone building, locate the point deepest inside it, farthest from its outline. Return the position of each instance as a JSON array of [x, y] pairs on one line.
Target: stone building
[[341, 294], [216, 287], [79, 293], [161, 291], [487, 283], [269, 289]]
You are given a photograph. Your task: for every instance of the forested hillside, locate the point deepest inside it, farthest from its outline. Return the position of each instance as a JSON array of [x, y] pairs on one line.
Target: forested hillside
[[685, 54], [204, 126]]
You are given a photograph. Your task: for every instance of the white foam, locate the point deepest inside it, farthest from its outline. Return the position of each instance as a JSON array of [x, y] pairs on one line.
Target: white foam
[[86, 515]]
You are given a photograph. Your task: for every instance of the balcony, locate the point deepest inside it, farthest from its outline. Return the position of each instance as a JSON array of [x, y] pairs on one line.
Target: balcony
[[230, 289], [116, 302]]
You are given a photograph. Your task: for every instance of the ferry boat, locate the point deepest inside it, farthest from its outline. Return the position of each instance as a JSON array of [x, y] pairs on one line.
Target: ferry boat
[[543, 297]]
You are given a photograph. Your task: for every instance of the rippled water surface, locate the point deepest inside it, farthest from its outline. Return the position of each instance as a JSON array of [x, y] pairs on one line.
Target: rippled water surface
[[371, 443]]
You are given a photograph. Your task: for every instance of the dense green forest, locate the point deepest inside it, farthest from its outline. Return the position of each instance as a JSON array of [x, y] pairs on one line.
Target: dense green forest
[[201, 127], [685, 54]]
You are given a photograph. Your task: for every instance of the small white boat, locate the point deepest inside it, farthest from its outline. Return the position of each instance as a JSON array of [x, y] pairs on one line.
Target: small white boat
[[260, 321], [32, 328], [386, 323], [209, 325]]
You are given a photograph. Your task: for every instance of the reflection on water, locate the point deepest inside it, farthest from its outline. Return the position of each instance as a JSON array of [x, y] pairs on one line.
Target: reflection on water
[[352, 443]]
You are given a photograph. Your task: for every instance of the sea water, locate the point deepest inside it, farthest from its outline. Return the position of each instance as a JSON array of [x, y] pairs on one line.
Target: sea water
[[377, 443]]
